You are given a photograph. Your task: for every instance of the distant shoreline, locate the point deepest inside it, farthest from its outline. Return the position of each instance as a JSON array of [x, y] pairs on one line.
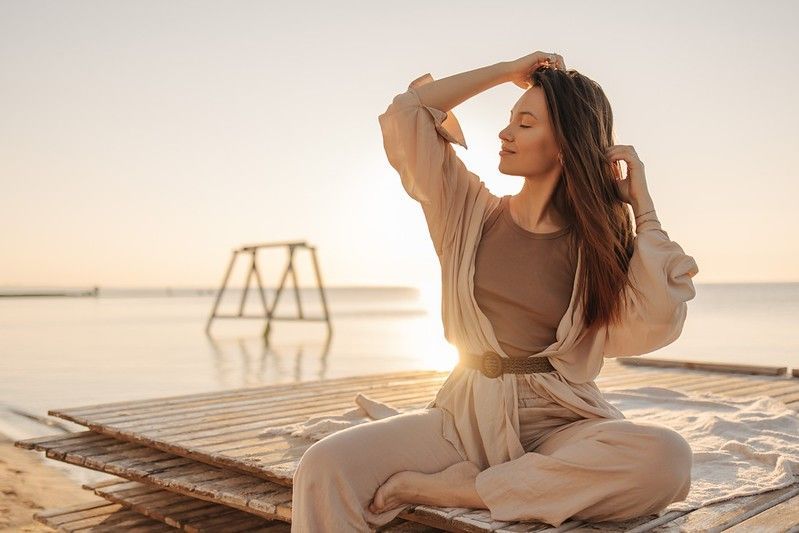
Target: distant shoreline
[[79, 294], [64, 292]]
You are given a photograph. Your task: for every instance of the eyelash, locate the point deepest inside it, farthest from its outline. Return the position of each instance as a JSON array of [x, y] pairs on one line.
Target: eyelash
[[522, 126]]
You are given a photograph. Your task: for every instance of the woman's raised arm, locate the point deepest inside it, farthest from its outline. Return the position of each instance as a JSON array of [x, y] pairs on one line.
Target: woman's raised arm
[[418, 127], [446, 93]]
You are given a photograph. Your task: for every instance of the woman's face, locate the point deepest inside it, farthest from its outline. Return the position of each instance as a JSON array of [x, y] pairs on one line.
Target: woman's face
[[531, 138]]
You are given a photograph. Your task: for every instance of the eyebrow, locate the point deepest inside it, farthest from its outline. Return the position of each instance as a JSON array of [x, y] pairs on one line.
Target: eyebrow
[[524, 113]]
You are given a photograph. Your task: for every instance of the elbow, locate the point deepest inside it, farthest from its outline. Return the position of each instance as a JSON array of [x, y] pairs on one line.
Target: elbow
[[667, 329], [646, 333]]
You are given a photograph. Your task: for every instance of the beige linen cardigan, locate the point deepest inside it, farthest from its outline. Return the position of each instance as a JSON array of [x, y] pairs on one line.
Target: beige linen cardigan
[[481, 413]]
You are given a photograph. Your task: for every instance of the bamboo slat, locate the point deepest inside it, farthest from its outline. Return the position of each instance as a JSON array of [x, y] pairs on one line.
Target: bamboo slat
[[228, 436], [102, 517], [238, 394], [181, 475], [209, 447], [198, 516], [696, 365], [184, 512], [726, 514], [228, 433], [781, 517]]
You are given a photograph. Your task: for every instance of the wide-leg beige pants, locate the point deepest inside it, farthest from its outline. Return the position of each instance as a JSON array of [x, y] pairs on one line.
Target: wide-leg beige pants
[[591, 469]]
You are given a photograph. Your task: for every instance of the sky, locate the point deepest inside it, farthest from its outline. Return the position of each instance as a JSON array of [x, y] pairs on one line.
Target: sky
[[141, 141]]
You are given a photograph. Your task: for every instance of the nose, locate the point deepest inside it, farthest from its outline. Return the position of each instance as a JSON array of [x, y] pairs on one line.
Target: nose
[[503, 135]]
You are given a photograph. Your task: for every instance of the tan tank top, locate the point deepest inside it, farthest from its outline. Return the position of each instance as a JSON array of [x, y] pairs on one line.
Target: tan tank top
[[523, 281]]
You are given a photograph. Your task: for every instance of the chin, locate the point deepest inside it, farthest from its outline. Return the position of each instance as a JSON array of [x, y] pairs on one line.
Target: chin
[[505, 171]]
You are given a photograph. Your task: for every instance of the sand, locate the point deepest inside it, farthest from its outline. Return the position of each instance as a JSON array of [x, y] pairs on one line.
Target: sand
[[29, 484]]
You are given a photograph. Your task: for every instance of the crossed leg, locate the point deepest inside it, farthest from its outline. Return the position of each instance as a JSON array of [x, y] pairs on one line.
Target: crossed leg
[[338, 476], [592, 469]]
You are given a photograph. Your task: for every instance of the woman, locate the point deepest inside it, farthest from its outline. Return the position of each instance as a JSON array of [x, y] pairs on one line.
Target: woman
[[537, 289]]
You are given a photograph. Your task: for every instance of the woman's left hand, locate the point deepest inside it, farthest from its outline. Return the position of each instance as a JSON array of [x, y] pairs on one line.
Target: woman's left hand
[[632, 189]]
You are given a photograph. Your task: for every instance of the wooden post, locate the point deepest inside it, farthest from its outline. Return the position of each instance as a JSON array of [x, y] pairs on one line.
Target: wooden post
[[321, 289], [221, 290], [269, 310]]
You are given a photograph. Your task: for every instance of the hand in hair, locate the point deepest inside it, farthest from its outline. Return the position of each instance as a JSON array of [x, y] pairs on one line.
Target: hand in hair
[[523, 68], [632, 188]]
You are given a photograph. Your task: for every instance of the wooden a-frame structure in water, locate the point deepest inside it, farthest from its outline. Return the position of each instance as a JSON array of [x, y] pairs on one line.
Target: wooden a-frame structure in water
[[269, 311]]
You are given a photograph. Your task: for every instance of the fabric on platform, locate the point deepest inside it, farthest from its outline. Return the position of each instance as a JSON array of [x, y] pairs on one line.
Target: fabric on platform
[[741, 446]]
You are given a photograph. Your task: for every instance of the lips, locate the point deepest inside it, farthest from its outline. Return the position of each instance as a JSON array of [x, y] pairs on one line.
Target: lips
[[506, 150]]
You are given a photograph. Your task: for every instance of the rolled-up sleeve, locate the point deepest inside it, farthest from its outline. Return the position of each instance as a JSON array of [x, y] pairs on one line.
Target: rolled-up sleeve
[[662, 272], [418, 143]]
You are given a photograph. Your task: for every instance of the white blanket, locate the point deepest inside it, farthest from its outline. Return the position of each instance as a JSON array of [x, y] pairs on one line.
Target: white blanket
[[742, 446]]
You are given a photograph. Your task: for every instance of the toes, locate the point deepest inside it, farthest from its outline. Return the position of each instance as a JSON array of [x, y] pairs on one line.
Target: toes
[[376, 506]]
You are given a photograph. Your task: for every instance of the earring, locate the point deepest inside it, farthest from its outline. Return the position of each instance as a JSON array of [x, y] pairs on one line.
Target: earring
[[560, 157]]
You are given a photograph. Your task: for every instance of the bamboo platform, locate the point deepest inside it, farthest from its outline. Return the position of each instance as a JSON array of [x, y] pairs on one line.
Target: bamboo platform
[[200, 463]]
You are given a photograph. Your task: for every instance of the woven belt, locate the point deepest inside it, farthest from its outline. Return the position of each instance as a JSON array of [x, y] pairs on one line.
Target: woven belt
[[492, 365]]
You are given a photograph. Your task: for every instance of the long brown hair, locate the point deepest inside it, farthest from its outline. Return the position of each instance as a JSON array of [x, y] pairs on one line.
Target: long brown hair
[[586, 193]]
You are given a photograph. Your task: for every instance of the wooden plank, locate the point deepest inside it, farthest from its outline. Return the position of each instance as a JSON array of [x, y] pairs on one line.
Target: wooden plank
[[195, 516], [198, 402], [256, 423], [185, 512], [725, 514], [192, 442], [96, 518], [665, 380], [697, 365], [82, 436], [780, 517], [189, 478], [237, 442], [771, 388], [274, 402], [169, 402], [788, 397], [111, 517], [718, 379], [275, 412]]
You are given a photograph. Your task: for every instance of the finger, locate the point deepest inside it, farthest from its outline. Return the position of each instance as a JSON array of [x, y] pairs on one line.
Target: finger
[[619, 151]]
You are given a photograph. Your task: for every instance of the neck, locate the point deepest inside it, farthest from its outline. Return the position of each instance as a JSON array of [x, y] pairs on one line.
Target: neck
[[532, 208]]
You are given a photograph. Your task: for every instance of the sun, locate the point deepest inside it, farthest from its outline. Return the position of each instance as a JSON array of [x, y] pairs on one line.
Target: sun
[[438, 353]]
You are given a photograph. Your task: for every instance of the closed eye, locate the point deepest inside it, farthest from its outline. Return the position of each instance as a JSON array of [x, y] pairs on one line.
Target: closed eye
[[525, 126]]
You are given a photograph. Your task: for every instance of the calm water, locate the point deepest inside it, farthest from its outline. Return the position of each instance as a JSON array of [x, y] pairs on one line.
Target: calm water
[[63, 352]]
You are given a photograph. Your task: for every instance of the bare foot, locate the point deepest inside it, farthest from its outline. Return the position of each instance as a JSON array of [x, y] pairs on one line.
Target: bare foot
[[452, 487]]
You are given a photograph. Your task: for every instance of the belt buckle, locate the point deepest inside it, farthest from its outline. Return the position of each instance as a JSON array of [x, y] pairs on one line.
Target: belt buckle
[[491, 365]]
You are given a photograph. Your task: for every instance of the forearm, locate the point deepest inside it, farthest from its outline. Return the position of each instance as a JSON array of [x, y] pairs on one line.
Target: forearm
[[446, 93], [643, 205]]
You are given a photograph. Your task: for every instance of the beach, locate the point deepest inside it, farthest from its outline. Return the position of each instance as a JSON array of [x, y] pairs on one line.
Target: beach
[[30, 483]]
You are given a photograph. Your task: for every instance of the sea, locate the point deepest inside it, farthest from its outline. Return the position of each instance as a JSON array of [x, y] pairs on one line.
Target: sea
[[128, 344]]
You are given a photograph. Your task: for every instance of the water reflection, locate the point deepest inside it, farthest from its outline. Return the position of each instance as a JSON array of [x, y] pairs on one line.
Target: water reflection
[[250, 357]]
